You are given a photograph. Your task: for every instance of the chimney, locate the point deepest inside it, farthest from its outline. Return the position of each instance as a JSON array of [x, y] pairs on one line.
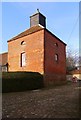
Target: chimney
[[37, 18]]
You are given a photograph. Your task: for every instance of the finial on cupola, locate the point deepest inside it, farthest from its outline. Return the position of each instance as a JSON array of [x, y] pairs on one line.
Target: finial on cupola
[[37, 10]]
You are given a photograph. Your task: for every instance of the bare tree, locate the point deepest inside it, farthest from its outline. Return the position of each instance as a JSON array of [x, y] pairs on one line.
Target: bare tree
[[71, 60], [79, 61]]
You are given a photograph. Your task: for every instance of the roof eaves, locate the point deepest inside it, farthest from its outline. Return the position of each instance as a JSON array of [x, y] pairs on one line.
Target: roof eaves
[[3, 53], [36, 14], [55, 37]]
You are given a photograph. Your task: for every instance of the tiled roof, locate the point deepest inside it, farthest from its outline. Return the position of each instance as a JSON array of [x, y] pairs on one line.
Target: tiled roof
[[3, 58], [32, 30], [27, 32], [76, 71]]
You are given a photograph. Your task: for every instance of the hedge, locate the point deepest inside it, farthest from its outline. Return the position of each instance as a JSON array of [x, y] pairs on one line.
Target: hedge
[[21, 81]]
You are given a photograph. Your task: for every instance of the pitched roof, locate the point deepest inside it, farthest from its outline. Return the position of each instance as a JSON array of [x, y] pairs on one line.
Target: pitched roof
[[3, 58], [55, 36], [27, 32], [76, 71], [32, 30]]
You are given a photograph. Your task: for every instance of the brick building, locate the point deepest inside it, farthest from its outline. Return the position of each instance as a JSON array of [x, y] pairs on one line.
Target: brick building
[[38, 50], [4, 62]]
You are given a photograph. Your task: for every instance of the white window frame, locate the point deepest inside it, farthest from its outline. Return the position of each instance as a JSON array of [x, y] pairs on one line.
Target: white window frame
[[56, 57], [23, 59], [23, 43]]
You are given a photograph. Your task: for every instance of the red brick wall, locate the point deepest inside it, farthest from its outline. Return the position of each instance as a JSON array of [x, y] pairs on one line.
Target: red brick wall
[[34, 47], [54, 71], [40, 50]]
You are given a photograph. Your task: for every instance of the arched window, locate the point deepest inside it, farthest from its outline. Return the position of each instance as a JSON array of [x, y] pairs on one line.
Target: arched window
[[22, 43], [56, 44], [56, 57]]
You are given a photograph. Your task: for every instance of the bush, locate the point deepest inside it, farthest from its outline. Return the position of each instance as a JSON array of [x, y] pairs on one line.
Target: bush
[[21, 81]]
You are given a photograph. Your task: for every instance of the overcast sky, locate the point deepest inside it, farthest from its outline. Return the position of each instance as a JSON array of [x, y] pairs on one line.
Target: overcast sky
[[62, 19]]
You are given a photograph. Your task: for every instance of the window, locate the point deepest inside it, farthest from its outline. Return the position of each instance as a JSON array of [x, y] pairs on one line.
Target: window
[[56, 57], [23, 59], [56, 44], [22, 43], [4, 69]]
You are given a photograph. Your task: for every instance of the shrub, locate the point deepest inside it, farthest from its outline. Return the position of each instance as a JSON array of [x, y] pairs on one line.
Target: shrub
[[21, 81]]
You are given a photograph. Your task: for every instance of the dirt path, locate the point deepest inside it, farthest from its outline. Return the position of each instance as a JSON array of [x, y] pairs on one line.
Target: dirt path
[[58, 102]]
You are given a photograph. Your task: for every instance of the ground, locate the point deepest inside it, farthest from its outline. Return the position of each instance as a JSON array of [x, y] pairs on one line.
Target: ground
[[58, 102]]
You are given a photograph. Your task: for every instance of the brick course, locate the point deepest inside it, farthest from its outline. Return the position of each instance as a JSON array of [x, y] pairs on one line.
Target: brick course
[[40, 48], [34, 47], [52, 66], [54, 71]]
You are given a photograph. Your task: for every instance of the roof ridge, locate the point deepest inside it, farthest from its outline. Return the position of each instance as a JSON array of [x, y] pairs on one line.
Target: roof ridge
[[4, 53]]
